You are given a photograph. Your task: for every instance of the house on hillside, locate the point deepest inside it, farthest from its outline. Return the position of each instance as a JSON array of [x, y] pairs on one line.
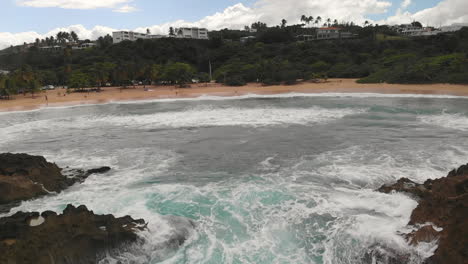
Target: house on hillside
[[332, 33], [84, 46], [193, 33], [120, 36], [55, 48], [247, 39]]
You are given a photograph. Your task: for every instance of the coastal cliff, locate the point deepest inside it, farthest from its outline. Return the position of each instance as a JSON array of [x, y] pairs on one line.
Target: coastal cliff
[[442, 214], [24, 177]]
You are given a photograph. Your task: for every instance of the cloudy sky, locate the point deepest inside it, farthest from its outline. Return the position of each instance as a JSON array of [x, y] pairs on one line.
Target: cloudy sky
[[25, 20]]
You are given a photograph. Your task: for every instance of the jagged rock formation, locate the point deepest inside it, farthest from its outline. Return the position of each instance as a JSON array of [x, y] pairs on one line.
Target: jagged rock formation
[[443, 203], [24, 177], [76, 236]]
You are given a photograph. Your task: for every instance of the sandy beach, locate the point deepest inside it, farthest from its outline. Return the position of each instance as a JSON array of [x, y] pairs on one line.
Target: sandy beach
[[59, 97]]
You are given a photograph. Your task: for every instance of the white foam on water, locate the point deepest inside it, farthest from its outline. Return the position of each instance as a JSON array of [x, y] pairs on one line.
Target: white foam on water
[[198, 117], [451, 121], [231, 117], [371, 166], [271, 218], [292, 95], [250, 96]]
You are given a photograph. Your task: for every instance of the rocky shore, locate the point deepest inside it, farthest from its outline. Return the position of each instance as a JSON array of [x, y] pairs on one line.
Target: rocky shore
[[76, 236], [442, 214], [24, 177]]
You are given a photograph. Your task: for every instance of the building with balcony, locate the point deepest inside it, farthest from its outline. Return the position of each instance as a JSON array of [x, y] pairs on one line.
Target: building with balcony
[[332, 33], [193, 33], [84, 46], [120, 36]]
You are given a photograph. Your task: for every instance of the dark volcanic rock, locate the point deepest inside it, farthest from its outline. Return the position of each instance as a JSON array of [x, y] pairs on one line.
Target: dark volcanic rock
[[23, 177], [76, 236], [380, 254], [443, 202]]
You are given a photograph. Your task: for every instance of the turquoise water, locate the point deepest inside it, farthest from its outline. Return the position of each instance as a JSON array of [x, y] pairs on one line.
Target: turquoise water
[[274, 179]]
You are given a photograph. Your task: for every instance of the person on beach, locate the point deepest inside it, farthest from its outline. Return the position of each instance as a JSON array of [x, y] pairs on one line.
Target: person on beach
[[47, 99]]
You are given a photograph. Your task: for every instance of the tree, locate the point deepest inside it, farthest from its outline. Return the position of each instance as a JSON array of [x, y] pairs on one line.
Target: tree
[[310, 19], [318, 20], [148, 31], [328, 22], [33, 87], [283, 23], [178, 73], [74, 36], [171, 31], [155, 72], [304, 18], [307, 19], [259, 26], [78, 80], [366, 23], [416, 24]]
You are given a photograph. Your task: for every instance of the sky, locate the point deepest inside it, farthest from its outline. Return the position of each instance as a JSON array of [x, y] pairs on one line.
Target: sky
[[25, 20]]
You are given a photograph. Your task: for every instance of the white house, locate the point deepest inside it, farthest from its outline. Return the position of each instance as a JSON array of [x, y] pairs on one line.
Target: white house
[[51, 48], [194, 33], [120, 36], [410, 30], [84, 46], [332, 33]]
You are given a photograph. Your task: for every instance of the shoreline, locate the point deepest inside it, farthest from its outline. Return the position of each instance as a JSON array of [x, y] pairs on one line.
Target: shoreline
[[59, 98]]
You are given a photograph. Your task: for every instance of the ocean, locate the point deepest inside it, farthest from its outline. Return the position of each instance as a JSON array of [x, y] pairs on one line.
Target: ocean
[[253, 179]]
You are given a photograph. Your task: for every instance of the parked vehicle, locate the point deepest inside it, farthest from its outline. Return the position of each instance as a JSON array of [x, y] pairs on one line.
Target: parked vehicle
[[48, 87]]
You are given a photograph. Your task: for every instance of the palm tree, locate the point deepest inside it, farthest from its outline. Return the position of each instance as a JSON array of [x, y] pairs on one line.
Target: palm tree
[[335, 22], [303, 18], [74, 36], [310, 19], [328, 21], [283, 23], [318, 20], [366, 23], [59, 36]]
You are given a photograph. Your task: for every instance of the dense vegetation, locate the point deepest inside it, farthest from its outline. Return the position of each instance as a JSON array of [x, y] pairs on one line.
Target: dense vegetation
[[275, 56]]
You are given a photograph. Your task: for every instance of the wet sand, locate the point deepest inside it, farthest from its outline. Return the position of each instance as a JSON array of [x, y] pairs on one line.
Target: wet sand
[[59, 97]]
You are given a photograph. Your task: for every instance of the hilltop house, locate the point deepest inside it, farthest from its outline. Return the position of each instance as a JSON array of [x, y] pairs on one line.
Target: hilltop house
[[51, 48], [120, 36], [332, 33], [193, 33], [410, 30], [84, 46]]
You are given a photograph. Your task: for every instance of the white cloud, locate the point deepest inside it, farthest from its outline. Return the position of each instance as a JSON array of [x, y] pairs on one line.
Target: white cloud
[[447, 12], [126, 9], [8, 39], [73, 4], [405, 4]]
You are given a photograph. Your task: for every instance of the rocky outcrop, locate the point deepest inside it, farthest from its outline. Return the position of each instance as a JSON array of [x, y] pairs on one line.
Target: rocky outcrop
[[23, 177], [443, 203], [76, 236]]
